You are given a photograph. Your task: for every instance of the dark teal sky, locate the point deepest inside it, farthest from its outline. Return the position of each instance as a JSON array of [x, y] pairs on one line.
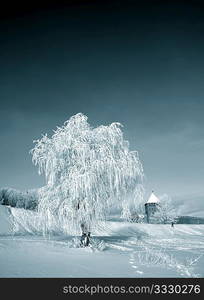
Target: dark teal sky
[[141, 65]]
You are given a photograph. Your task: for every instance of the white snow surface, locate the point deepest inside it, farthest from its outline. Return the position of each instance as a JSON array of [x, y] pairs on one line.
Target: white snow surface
[[118, 249]]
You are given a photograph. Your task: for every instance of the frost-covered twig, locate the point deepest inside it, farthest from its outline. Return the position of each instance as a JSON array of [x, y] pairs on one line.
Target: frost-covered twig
[[158, 257]]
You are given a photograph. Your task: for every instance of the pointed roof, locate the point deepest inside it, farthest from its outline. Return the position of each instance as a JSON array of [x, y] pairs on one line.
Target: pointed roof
[[153, 198]]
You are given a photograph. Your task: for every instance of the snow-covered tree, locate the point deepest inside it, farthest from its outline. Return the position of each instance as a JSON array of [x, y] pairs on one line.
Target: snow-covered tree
[[87, 170], [21, 199], [166, 211]]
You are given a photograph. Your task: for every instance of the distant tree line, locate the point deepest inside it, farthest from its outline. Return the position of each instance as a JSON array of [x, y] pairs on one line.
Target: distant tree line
[[15, 198]]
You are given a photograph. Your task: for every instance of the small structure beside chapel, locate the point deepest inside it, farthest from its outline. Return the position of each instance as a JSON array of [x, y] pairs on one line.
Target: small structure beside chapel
[[151, 206]]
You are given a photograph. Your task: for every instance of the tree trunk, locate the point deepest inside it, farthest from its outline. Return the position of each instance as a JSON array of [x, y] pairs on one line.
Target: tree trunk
[[85, 238]]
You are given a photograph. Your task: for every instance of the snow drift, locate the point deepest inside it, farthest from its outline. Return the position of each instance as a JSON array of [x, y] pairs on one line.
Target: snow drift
[[18, 221]]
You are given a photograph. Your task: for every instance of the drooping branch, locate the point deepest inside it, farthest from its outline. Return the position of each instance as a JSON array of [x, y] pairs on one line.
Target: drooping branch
[[87, 170]]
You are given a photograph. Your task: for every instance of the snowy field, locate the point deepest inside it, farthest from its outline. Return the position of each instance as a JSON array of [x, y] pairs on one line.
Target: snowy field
[[119, 249]]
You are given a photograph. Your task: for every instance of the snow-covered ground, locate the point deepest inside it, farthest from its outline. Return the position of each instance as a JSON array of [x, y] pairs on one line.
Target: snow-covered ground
[[119, 249]]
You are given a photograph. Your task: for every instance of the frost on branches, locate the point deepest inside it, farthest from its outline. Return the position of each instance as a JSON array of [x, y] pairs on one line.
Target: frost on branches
[[12, 197], [166, 212], [87, 171]]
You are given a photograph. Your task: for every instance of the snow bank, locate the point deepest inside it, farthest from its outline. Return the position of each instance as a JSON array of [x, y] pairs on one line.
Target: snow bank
[[128, 249], [21, 221], [6, 227], [17, 221]]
